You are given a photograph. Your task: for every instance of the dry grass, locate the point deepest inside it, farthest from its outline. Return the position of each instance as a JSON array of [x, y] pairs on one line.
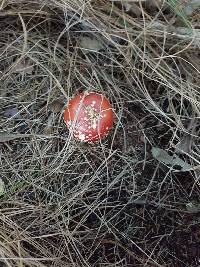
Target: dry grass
[[109, 204]]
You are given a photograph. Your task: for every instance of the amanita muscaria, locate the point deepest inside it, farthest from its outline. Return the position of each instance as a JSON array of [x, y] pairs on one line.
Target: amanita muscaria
[[89, 116]]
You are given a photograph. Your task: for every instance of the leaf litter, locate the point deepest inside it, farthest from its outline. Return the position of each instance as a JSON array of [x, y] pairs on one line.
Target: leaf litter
[[119, 198]]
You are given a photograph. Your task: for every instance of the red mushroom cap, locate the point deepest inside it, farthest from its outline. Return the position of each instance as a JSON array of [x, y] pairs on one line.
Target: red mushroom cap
[[89, 116]]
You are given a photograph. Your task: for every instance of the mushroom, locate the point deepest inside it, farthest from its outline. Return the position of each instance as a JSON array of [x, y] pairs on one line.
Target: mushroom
[[89, 116]]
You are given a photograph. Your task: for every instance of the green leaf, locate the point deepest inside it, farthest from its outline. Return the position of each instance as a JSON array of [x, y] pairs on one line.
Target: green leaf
[[172, 161]]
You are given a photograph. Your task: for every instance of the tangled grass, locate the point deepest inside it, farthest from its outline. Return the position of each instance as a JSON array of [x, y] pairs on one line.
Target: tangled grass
[[65, 203]]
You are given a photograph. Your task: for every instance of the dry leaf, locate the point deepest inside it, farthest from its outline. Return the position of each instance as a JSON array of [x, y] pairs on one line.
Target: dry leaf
[[154, 4], [191, 6], [57, 105], [185, 144], [90, 44], [48, 130], [12, 113], [23, 66], [193, 207], [131, 1], [132, 8]]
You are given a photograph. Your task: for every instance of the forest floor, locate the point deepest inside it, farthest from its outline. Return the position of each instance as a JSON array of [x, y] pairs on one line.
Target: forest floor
[[132, 199]]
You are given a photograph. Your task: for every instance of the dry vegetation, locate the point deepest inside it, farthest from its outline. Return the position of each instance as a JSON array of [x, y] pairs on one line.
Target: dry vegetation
[[114, 203]]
